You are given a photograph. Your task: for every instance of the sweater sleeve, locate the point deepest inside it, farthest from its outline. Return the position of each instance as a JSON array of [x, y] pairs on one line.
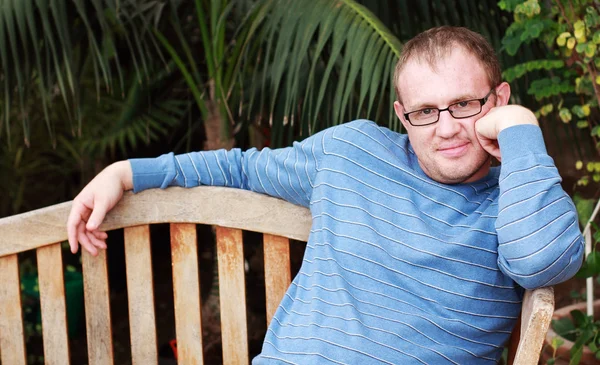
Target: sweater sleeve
[[286, 173], [540, 243]]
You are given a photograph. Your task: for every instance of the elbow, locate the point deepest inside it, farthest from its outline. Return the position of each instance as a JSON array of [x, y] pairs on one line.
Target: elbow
[[536, 272]]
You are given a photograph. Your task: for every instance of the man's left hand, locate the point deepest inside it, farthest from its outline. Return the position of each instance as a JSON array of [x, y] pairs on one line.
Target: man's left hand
[[497, 119]]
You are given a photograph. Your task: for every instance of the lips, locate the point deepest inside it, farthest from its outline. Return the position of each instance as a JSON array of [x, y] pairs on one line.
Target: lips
[[454, 150]]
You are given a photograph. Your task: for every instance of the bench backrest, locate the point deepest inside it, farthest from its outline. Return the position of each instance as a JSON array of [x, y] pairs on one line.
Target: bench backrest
[[231, 211]]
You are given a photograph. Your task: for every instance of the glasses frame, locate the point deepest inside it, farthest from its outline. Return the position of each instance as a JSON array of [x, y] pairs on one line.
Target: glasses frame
[[481, 101]]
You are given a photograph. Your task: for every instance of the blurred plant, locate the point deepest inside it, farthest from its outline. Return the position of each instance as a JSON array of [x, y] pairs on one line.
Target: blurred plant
[[43, 174], [579, 328], [566, 82], [298, 66], [46, 45]]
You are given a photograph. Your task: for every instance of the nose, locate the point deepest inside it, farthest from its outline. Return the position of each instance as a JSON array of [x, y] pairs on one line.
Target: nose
[[447, 126]]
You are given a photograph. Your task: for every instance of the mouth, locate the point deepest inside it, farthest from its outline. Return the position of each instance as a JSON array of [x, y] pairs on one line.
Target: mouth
[[454, 150]]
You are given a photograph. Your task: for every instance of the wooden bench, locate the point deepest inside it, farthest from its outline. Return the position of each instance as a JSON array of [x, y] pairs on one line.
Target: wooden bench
[[231, 211]]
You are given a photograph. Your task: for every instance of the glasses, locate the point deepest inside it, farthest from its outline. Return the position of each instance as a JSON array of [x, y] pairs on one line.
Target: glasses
[[462, 109]]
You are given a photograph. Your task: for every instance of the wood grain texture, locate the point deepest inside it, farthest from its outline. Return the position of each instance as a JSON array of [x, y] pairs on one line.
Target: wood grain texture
[[140, 294], [12, 340], [186, 292], [52, 303], [232, 296], [97, 308], [277, 271], [246, 210], [536, 314]]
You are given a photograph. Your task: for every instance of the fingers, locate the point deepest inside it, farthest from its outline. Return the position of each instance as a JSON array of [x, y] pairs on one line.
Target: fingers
[[73, 222], [80, 232], [85, 241], [91, 240], [100, 235], [490, 146], [98, 243]]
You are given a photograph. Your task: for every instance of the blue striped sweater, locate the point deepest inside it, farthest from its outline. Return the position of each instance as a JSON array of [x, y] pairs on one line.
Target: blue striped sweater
[[399, 269]]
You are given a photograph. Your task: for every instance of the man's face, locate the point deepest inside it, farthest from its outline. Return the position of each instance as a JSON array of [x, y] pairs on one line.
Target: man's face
[[448, 151]]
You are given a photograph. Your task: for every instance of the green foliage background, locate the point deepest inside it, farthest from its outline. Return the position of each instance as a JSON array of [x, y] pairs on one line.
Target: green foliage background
[[85, 83]]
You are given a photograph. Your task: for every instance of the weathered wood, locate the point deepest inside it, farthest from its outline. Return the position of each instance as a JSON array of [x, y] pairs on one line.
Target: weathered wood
[[97, 308], [12, 340], [186, 292], [538, 306], [277, 271], [140, 293], [52, 304], [232, 295], [245, 210]]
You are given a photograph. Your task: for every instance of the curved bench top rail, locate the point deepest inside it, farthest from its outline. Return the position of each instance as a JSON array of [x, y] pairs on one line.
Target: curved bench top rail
[[220, 206]]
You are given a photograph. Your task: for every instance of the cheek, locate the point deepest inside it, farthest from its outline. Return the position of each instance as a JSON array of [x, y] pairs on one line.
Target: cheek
[[469, 127], [421, 140]]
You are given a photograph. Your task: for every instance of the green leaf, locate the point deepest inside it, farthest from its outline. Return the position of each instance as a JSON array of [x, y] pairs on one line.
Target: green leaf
[[576, 353], [593, 261], [565, 115], [557, 342], [579, 318], [591, 266], [520, 70], [564, 327]]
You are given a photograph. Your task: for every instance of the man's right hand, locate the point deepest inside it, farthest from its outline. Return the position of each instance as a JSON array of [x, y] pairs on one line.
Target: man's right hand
[[92, 204]]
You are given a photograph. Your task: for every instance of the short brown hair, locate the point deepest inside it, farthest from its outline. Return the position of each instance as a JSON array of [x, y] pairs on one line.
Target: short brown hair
[[435, 43]]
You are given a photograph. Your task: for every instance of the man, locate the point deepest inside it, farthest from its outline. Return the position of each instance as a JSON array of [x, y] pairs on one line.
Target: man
[[419, 250]]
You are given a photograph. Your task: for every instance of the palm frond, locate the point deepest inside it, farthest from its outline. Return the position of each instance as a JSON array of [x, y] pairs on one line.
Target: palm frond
[[44, 45], [324, 63]]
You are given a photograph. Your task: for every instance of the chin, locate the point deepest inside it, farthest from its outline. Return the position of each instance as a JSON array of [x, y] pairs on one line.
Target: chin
[[451, 180], [464, 175], [457, 171]]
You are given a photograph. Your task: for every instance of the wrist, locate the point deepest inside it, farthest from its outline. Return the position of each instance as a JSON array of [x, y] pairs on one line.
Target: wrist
[[123, 171], [519, 116]]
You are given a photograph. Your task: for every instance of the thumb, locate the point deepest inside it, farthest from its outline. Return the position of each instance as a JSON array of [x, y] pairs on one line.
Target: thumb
[[97, 216]]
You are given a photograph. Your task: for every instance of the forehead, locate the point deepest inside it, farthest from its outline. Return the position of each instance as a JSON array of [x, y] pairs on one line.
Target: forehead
[[456, 76]]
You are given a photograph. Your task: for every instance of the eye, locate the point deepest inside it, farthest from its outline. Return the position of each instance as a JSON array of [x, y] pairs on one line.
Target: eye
[[425, 112], [462, 104]]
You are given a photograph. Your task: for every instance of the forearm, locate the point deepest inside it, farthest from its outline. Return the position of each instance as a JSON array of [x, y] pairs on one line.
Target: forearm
[[216, 168], [285, 173], [539, 239]]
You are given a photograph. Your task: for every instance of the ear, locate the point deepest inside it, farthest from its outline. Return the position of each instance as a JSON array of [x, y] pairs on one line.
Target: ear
[[399, 109], [502, 94]]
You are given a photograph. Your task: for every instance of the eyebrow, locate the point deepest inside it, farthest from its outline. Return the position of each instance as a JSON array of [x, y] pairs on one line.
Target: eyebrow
[[427, 105]]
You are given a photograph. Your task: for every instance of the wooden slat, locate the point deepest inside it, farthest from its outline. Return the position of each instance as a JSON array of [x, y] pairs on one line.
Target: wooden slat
[[232, 295], [12, 340], [97, 308], [52, 303], [277, 271], [245, 210], [140, 293], [538, 307], [186, 292]]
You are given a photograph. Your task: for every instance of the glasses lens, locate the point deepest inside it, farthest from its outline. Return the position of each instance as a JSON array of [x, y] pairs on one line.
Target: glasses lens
[[465, 109], [423, 116]]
